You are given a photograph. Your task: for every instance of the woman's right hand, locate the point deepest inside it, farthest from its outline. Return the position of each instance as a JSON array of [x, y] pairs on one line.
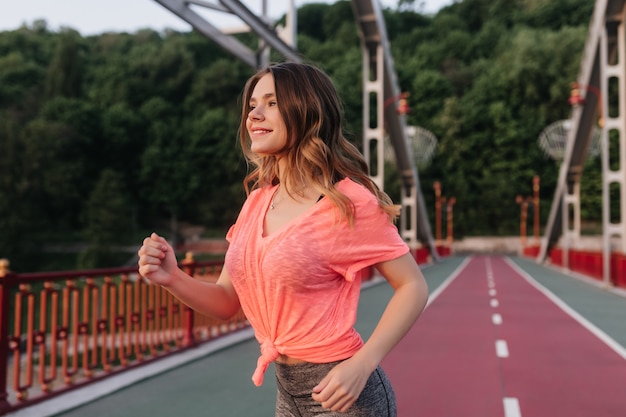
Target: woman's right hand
[[157, 261]]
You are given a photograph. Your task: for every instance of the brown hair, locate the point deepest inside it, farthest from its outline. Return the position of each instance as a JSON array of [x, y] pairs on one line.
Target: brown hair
[[316, 150]]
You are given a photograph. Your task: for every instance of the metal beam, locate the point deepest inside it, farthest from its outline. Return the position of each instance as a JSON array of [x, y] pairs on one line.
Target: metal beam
[[262, 29], [229, 43], [583, 120], [239, 50], [375, 44]]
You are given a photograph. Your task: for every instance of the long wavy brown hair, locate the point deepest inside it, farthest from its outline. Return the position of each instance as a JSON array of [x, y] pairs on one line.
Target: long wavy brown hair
[[317, 152]]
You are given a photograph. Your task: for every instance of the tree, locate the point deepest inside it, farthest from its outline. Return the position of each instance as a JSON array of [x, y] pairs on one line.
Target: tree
[[108, 221], [165, 177], [64, 76]]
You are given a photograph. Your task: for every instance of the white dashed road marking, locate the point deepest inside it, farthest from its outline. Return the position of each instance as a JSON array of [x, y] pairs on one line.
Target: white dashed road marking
[[502, 349], [511, 407]]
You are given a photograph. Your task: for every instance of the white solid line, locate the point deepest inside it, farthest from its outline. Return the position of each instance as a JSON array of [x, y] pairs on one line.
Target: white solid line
[[492, 292], [494, 303], [433, 295], [496, 319], [511, 407], [599, 333], [502, 349]]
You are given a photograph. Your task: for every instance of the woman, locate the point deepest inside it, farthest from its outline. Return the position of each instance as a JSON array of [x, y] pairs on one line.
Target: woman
[[311, 223]]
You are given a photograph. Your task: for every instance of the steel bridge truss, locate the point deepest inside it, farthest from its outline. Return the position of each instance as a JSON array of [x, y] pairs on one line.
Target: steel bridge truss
[[602, 73]]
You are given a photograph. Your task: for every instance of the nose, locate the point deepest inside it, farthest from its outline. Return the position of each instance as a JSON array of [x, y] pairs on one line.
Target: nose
[[255, 114]]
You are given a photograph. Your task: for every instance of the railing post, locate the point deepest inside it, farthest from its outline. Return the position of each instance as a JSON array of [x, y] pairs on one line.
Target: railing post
[[188, 317], [6, 281]]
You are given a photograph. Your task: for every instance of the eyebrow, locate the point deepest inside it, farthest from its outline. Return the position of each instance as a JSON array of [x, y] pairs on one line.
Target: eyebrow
[[265, 96]]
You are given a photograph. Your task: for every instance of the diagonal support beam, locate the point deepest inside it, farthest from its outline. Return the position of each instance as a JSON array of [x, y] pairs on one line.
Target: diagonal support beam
[[231, 44], [262, 29], [379, 77], [593, 71]]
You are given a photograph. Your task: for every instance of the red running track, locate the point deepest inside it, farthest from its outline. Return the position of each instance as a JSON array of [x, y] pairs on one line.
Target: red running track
[[491, 344]]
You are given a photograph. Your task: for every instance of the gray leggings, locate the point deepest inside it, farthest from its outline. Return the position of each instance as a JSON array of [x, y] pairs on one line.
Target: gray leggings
[[295, 386]]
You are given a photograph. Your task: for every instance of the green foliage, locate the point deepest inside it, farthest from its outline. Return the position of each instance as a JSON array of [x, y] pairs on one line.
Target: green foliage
[[105, 135], [108, 221], [64, 75], [108, 214]]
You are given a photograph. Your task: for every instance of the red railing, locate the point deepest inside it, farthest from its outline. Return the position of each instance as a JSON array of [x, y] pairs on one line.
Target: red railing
[[63, 330], [587, 262]]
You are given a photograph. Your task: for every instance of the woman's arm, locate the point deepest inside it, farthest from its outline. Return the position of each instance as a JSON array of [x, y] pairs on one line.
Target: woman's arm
[[408, 302], [158, 264], [343, 385]]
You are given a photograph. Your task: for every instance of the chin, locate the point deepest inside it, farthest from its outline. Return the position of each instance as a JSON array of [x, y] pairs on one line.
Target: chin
[[259, 150]]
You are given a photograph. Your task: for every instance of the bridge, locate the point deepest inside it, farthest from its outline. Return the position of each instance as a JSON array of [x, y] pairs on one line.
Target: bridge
[[501, 336], [532, 333]]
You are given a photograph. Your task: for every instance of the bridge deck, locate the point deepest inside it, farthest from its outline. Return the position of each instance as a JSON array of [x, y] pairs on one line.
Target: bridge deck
[[500, 337]]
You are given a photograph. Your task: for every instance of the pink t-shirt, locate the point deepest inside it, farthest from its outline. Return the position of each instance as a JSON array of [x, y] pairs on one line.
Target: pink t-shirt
[[299, 287]]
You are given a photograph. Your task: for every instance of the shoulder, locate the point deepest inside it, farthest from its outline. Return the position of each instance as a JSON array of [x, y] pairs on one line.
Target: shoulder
[[258, 195], [256, 199], [250, 210], [357, 193]]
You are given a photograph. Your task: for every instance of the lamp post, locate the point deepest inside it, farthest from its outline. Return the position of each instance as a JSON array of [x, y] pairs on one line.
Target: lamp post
[[576, 99], [451, 202], [534, 203], [437, 188], [536, 216], [523, 202], [403, 104]]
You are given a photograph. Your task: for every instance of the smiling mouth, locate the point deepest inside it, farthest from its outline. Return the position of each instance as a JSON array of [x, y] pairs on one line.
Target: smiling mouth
[[260, 131]]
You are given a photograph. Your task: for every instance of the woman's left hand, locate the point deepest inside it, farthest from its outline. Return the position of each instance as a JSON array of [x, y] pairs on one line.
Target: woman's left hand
[[342, 386]]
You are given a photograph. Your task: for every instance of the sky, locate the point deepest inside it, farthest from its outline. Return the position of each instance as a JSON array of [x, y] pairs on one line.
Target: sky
[[97, 16]]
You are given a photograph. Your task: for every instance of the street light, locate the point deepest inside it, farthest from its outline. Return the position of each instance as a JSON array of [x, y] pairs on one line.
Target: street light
[[536, 213], [403, 104], [451, 202], [576, 99], [437, 188], [524, 202], [534, 204]]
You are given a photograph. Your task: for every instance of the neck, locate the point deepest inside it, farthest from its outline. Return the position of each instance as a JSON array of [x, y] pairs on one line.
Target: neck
[[282, 169]]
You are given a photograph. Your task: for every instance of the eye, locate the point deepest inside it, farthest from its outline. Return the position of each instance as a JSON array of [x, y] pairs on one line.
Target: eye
[[273, 103]]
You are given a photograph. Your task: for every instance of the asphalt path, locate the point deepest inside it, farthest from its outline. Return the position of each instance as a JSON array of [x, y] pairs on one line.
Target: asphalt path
[[496, 342]]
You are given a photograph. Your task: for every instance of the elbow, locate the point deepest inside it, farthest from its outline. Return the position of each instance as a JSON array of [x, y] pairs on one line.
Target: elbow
[[229, 309], [420, 292], [227, 314]]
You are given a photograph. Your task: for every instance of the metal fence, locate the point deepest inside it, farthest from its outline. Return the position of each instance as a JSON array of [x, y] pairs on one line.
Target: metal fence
[[63, 330]]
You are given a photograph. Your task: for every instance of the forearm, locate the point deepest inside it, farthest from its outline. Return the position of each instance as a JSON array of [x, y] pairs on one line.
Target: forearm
[[208, 298], [401, 312]]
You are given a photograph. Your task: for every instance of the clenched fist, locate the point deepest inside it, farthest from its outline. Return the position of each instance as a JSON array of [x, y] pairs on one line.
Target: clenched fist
[[157, 261]]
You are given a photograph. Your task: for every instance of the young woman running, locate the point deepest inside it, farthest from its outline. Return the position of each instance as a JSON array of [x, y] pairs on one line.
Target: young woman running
[[313, 220]]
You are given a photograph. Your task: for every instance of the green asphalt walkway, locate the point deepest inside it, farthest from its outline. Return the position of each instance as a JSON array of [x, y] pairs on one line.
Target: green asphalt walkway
[[219, 384]]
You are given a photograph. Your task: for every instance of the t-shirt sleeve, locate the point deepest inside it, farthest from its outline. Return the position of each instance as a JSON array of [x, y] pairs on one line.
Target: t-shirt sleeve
[[370, 240], [241, 217], [230, 234]]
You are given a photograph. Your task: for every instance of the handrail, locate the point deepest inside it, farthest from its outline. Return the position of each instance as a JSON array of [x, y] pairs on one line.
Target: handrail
[[63, 330]]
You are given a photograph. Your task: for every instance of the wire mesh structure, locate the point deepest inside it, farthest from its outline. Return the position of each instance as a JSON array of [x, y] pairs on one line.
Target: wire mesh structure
[[553, 140], [423, 144]]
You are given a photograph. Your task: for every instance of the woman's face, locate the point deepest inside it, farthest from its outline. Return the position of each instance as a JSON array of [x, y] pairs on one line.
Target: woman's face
[[265, 124]]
